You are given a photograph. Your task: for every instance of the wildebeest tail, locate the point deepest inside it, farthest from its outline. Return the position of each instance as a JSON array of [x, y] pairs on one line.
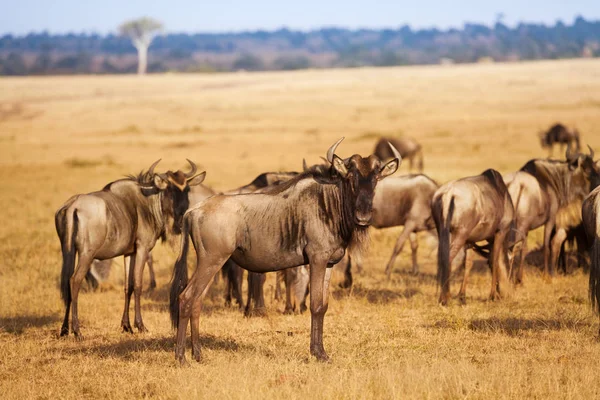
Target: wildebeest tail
[[443, 273], [66, 227], [180, 273], [595, 275]]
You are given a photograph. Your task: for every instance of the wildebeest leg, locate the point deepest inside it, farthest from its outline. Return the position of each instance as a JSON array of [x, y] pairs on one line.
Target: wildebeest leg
[[457, 243], [128, 263], [466, 266], [320, 275], [83, 266], [64, 330], [557, 243], [151, 270], [190, 302], [414, 246], [498, 265], [256, 298], [138, 274], [408, 229], [547, 234], [517, 275], [347, 274], [289, 276], [279, 277]]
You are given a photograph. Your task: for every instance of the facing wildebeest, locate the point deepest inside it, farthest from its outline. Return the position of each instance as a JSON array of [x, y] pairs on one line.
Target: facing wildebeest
[[559, 134], [101, 269], [408, 148], [311, 219], [467, 211], [591, 221], [550, 193], [125, 218]]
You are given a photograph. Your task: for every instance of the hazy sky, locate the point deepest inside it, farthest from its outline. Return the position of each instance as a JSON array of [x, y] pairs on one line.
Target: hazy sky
[[60, 16]]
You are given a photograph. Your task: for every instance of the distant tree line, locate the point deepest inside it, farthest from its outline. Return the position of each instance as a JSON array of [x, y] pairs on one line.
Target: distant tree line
[[284, 49]]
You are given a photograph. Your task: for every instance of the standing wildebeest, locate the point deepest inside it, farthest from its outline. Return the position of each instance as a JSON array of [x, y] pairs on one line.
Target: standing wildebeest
[[125, 218], [591, 222], [101, 269], [408, 148], [467, 211], [401, 201], [255, 304], [311, 219], [404, 201], [559, 134], [550, 193]]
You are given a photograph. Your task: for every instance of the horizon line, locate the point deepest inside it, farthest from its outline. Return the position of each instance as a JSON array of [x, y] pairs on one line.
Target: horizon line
[[313, 29]]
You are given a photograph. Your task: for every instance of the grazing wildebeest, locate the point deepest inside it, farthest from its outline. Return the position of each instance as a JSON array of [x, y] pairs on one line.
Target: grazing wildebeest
[[467, 211], [591, 221], [126, 218], [559, 134], [101, 269], [550, 193], [408, 148], [310, 219]]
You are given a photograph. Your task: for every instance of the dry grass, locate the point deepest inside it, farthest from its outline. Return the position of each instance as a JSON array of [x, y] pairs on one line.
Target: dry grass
[[66, 135]]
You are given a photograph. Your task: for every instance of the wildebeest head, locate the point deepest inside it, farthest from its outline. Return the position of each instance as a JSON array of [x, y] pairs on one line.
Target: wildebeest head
[[361, 175], [585, 170], [175, 187]]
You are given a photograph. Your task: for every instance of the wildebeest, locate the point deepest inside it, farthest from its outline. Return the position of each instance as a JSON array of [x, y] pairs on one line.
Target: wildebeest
[[559, 134], [310, 219], [591, 221], [408, 148], [401, 201], [550, 193], [100, 269], [467, 211], [255, 303], [126, 218]]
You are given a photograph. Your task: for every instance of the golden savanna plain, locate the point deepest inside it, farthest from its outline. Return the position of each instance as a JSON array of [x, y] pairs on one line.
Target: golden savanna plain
[[65, 135]]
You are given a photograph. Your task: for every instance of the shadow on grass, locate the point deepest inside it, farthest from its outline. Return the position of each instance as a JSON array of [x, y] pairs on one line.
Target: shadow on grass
[[126, 349], [375, 296], [17, 325], [515, 326]]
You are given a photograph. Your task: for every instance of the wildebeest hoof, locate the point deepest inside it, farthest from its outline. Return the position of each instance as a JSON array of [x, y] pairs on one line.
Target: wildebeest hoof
[[288, 311], [320, 355], [415, 272], [183, 362], [256, 312], [346, 284], [78, 336], [64, 331], [141, 328], [127, 328], [152, 285], [197, 357]]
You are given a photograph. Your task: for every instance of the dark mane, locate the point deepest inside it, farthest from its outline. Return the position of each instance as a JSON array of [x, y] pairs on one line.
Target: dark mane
[[143, 178], [317, 172], [552, 175], [495, 179]]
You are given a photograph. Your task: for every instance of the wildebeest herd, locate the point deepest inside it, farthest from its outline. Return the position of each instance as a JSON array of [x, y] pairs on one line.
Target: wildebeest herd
[[301, 224]]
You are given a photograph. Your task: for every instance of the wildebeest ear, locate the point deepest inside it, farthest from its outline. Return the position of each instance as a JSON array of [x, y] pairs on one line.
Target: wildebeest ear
[[196, 180], [160, 182], [339, 166], [389, 168]]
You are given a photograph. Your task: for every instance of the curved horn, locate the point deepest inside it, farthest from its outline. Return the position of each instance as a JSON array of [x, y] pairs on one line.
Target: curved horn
[[395, 152], [331, 150], [194, 169], [151, 169], [591, 151], [304, 166]]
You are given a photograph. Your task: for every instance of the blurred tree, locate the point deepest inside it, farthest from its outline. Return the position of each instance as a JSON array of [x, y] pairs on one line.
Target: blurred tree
[[141, 32]]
